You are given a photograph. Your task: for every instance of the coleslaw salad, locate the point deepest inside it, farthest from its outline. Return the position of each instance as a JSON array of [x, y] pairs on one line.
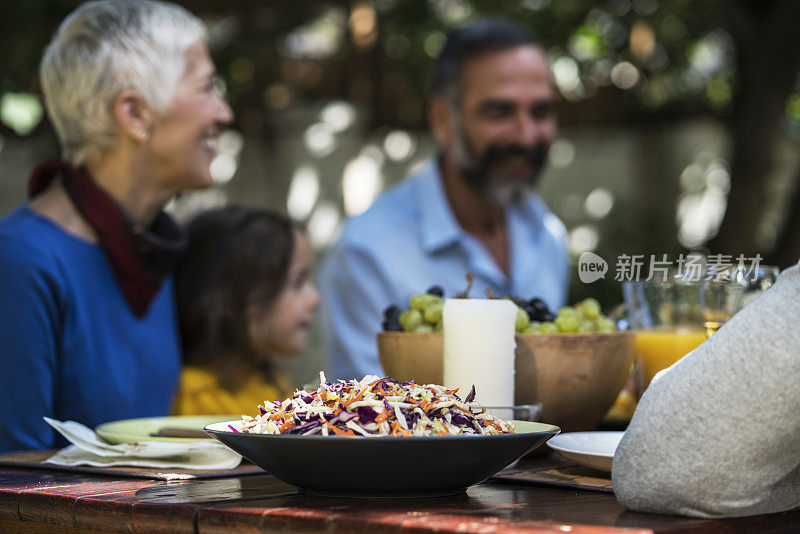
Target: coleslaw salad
[[375, 407]]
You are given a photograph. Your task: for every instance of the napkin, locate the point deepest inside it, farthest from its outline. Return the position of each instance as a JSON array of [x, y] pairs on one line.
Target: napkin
[[88, 449]]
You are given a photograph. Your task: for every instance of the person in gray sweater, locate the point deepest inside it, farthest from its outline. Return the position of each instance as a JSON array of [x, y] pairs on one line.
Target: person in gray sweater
[[718, 433]]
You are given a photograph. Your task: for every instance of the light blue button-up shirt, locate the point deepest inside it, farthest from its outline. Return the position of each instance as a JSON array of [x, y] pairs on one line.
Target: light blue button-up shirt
[[410, 240]]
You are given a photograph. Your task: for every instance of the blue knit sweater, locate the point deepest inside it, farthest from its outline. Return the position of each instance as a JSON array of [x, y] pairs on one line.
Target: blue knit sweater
[[70, 347]]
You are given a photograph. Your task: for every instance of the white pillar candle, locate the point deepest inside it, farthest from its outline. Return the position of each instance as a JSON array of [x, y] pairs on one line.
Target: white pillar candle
[[479, 348]]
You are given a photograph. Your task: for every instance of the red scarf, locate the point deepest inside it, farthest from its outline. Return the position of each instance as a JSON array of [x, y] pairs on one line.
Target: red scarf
[[140, 258]]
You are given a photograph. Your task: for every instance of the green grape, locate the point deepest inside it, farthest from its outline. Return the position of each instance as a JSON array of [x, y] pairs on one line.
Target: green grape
[[423, 329], [586, 327], [410, 319], [590, 308], [522, 320], [423, 300], [548, 328], [433, 312], [567, 310], [567, 322], [438, 327], [532, 328], [605, 325]]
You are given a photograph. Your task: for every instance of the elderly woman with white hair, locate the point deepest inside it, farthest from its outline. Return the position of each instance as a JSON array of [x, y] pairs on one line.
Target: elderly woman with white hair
[[88, 330]]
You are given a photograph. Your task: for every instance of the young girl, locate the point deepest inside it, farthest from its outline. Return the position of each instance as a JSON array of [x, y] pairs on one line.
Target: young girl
[[244, 293]]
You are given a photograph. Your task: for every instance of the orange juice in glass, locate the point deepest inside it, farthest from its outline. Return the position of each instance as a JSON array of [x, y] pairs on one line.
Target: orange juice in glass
[[658, 348], [671, 314]]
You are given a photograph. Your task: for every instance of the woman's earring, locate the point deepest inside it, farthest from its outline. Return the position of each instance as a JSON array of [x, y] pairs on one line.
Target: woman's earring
[[144, 134]]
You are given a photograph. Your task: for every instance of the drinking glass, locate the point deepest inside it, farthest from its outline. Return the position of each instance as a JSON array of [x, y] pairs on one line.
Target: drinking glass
[[755, 281], [674, 314]]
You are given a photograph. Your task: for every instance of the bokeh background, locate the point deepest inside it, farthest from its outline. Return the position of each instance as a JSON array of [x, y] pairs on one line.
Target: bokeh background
[[679, 119]]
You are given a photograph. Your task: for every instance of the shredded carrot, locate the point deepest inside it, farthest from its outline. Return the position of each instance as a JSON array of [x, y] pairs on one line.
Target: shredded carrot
[[340, 432], [398, 430], [287, 425], [351, 400], [383, 416]]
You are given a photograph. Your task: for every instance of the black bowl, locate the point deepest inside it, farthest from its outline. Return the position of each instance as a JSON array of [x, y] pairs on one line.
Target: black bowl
[[384, 466]]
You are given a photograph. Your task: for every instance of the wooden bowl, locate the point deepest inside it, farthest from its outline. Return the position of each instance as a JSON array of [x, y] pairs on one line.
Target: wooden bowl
[[576, 377]]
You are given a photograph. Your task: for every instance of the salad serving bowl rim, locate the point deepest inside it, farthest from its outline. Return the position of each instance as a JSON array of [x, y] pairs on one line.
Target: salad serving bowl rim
[[548, 429]]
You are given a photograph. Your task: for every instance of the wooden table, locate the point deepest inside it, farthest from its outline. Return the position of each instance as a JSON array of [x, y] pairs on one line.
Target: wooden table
[[37, 500]]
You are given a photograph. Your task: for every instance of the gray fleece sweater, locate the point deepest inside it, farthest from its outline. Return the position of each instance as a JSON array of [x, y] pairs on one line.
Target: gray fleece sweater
[[718, 434]]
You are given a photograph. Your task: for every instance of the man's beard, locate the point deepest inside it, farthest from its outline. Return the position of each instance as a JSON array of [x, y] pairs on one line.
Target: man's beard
[[485, 174]]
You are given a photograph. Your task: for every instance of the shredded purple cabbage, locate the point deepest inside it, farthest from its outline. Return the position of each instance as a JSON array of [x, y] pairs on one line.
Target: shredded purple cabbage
[[343, 417], [471, 395], [366, 414], [458, 419], [305, 427]]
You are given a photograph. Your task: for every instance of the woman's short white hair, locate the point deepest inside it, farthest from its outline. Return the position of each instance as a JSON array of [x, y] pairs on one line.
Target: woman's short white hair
[[103, 48]]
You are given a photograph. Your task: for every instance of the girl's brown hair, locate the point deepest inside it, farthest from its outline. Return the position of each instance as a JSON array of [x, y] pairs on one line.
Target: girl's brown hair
[[237, 262]]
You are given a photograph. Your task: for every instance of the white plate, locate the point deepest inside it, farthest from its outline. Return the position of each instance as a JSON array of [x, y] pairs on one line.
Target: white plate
[[590, 449]]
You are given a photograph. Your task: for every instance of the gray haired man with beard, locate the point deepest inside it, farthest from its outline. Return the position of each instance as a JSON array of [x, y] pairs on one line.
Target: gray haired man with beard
[[472, 208]]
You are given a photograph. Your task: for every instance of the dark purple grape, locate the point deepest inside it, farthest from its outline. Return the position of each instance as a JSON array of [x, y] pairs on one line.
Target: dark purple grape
[[540, 316], [435, 290], [392, 325], [537, 310], [391, 319], [391, 311], [547, 317], [538, 304]]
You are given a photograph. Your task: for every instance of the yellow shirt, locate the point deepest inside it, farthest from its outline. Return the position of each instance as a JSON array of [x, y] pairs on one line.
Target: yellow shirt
[[199, 393]]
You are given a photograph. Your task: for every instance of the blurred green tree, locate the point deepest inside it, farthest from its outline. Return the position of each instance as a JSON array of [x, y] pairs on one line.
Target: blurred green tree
[[619, 62]]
